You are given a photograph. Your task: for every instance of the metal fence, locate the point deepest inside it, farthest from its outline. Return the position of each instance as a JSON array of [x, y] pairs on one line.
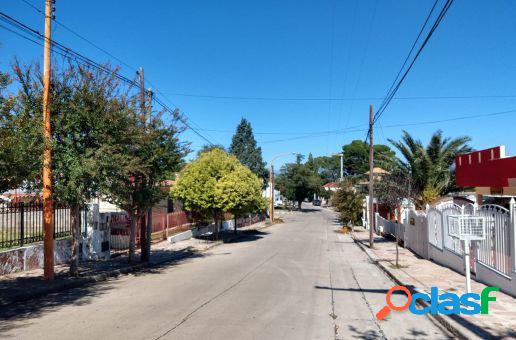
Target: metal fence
[[21, 223], [495, 250]]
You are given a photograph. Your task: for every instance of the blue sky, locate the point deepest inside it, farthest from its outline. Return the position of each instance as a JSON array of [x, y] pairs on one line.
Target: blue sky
[[302, 49]]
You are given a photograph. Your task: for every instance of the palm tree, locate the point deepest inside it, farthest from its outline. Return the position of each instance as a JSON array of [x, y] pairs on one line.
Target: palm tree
[[431, 166]]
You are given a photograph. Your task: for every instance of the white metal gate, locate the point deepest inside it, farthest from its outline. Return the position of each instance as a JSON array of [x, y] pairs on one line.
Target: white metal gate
[[495, 250]]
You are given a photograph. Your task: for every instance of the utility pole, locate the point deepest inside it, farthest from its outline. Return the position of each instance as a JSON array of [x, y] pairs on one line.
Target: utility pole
[[143, 217], [271, 184], [148, 232], [341, 167], [371, 178], [48, 212]]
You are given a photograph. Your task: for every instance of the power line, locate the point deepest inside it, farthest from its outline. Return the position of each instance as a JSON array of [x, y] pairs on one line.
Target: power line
[[394, 89], [61, 49], [174, 113], [481, 96], [412, 48], [290, 133], [428, 122], [67, 52], [82, 37]]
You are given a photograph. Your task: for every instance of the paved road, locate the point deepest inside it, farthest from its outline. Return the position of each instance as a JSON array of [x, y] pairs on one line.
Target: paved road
[[297, 280]]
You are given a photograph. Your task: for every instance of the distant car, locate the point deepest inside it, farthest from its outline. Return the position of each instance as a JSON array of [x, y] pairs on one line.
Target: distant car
[[316, 202]]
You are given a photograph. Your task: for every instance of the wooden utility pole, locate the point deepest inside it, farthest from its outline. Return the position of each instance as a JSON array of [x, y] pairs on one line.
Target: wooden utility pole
[[271, 209], [148, 231], [371, 178], [143, 214], [48, 226]]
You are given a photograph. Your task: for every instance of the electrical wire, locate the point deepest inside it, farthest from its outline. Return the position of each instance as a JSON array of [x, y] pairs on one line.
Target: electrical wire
[[392, 93], [68, 52], [421, 123]]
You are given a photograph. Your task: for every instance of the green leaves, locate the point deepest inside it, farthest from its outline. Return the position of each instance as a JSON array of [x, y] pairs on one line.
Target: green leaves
[[356, 157], [216, 183], [243, 146], [430, 166], [348, 203], [299, 181]]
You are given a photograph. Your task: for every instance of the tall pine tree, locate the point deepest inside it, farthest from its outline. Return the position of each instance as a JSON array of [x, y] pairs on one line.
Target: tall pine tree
[[243, 146]]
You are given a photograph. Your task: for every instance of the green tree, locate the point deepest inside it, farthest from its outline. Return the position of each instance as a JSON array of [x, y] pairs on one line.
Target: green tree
[[240, 193], [216, 183], [244, 147], [328, 168], [140, 158], [356, 157], [348, 203], [19, 147], [430, 167], [86, 118], [209, 147], [298, 182]]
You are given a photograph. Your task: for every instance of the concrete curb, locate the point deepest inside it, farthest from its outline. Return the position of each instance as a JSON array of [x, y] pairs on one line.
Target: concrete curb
[[445, 321], [95, 278]]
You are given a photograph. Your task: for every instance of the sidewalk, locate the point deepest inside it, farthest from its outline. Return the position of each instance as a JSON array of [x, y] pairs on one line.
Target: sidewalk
[[24, 286], [422, 274]]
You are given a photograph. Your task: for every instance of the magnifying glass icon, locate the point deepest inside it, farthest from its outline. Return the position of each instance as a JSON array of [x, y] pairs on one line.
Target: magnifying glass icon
[[382, 313]]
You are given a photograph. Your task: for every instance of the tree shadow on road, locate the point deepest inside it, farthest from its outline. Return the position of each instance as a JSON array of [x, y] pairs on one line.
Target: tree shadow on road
[[247, 236], [17, 311], [363, 290], [370, 334]]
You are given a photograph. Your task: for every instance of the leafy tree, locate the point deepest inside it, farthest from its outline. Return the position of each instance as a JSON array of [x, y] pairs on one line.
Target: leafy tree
[[209, 147], [348, 203], [298, 182], [356, 157], [328, 168], [430, 167], [86, 117], [243, 146], [216, 183], [19, 157], [240, 193], [391, 191], [138, 160]]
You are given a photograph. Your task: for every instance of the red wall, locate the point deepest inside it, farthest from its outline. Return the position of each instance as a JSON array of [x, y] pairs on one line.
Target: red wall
[[485, 168]]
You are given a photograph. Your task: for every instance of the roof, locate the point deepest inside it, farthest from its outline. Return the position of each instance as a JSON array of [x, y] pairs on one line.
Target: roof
[[331, 185], [378, 171]]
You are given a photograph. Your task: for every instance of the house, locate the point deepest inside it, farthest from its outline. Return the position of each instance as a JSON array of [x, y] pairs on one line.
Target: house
[[489, 171], [331, 186], [278, 198]]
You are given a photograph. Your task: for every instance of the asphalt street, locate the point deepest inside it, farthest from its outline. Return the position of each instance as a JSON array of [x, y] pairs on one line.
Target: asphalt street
[[296, 280]]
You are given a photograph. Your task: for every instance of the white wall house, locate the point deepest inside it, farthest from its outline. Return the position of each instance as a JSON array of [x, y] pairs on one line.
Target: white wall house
[[278, 198]]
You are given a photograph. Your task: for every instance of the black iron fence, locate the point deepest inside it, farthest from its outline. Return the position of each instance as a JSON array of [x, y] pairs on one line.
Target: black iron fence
[[22, 223]]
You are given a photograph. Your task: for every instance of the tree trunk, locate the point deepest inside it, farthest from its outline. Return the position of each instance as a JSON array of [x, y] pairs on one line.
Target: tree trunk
[[132, 237], [146, 244], [143, 236], [299, 204], [75, 215], [397, 250], [235, 226]]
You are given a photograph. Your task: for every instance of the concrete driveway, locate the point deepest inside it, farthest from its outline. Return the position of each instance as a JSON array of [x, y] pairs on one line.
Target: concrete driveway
[[297, 280]]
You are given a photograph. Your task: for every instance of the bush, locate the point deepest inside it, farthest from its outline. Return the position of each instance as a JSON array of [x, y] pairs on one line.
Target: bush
[[349, 204]]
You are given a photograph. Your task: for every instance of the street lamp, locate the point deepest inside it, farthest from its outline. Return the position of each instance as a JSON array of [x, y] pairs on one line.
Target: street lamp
[[341, 164], [271, 183]]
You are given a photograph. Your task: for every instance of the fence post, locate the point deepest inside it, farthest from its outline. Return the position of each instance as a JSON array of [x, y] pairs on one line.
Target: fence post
[[22, 224], [512, 231], [163, 227]]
